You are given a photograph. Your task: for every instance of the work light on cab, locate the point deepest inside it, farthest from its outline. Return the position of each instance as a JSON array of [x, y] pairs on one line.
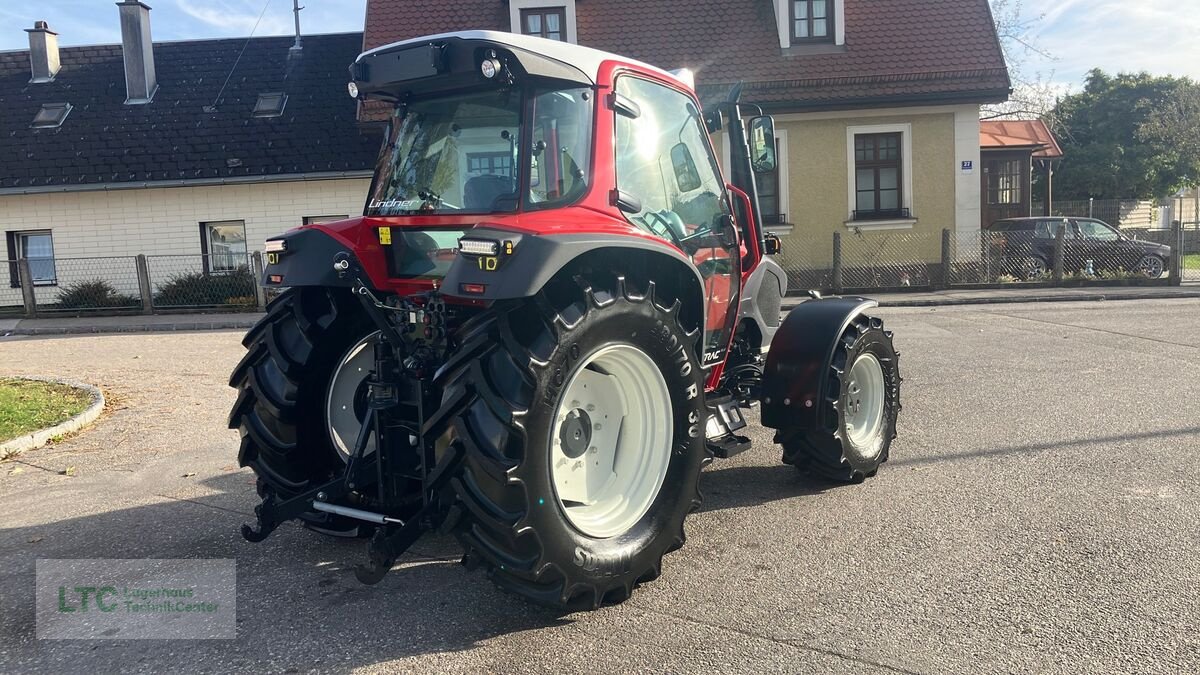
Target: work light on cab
[[478, 246]]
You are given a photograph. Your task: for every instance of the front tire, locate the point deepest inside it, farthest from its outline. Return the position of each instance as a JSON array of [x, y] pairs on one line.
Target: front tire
[[534, 514], [861, 400]]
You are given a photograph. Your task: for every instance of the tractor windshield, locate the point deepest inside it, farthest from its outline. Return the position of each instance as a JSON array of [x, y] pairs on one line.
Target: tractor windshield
[[484, 152]]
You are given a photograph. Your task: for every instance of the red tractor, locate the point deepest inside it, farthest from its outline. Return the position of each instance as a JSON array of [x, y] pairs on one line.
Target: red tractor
[[552, 314]]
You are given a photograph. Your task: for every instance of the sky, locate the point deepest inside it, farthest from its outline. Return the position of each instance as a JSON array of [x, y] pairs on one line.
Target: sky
[[1160, 36], [84, 22]]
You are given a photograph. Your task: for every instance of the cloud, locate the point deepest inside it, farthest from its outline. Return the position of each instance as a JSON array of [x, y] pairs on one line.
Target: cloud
[[1157, 36], [239, 17]]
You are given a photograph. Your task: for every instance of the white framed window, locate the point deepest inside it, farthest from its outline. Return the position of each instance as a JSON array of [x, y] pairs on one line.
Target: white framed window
[[806, 21], [551, 19], [36, 246], [223, 243], [879, 192], [313, 220]]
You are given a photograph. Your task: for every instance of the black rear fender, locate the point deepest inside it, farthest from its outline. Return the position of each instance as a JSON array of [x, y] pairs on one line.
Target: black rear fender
[[535, 260], [799, 360]]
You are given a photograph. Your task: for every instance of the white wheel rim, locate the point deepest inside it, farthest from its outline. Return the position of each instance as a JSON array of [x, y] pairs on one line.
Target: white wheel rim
[[611, 441], [344, 409], [864, 405]]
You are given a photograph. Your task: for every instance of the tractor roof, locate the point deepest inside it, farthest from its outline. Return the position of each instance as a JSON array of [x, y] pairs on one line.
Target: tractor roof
[[527, 49]]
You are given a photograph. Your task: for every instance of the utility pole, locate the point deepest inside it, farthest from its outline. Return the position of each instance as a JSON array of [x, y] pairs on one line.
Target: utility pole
[[296, 11]]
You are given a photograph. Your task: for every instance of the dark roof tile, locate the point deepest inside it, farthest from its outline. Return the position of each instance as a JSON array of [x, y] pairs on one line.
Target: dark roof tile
[[895, 51], [104, 140]]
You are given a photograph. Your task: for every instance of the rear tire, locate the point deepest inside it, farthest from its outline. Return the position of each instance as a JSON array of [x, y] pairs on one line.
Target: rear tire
[[520, 363], [861, 401], [282, 383]]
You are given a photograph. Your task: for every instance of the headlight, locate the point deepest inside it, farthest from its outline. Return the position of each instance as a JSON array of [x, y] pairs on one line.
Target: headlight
[[353, 89], [275, 245]]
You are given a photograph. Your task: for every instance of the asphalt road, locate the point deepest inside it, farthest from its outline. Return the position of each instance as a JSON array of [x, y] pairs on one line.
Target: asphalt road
[[1041, 512]]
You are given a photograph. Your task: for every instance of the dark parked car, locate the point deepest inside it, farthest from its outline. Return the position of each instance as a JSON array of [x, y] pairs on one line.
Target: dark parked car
[[1026, 245]]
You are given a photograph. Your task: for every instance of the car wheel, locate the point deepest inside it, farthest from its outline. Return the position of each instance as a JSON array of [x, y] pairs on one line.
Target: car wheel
[[1151, 266], [1035, 268]]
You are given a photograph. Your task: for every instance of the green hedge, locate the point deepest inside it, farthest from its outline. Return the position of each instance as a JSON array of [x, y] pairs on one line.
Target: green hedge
[[206, 289], [92, 294]]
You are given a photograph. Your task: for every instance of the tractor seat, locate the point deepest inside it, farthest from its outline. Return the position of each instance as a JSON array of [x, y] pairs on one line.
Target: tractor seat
[[481, 192]]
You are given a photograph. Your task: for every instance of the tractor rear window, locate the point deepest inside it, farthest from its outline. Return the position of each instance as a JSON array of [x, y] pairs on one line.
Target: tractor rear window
[[449, 155], [470, 153]]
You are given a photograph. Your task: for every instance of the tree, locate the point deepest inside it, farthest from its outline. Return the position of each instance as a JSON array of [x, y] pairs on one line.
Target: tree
[[1177, 125], [1120, 136], [1034, 93]]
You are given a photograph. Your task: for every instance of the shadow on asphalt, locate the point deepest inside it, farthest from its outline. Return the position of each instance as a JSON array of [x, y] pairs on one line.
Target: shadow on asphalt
[[738, 486], [299, 605], [1043, 447], [301, 584]]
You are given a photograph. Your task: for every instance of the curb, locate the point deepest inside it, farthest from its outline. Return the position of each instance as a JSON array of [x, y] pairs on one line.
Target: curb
[[37, 439], [1018, 299], [135, 328]]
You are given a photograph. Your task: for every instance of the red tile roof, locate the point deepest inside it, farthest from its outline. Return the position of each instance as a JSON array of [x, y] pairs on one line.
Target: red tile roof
[[1001, 134], [896, 51]]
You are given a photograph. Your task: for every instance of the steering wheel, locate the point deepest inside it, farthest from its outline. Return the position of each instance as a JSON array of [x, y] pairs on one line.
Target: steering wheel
[[663, 228]]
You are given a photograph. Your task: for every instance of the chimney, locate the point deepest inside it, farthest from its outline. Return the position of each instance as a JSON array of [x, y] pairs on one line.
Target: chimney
[[140, 83], [43, 52]]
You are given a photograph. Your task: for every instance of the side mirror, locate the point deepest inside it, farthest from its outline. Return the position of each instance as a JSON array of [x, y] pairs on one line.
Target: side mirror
[[771, 244], [762, 144]]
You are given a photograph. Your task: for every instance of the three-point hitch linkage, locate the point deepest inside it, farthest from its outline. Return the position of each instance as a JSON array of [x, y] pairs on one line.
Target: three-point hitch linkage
[[406, 416]]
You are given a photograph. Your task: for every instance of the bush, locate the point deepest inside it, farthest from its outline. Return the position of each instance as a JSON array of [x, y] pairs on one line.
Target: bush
[[206, 289], [94, 294]]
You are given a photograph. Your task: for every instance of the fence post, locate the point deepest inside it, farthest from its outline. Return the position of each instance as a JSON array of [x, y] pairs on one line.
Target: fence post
[[27, 296], [1175, 274], [946, 243], [260, 294], [837, 262], [143, 275], [1059, 236]]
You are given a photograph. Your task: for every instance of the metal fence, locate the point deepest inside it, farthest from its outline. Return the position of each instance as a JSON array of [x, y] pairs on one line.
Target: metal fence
[[889, 260], [1120, 212], [80, 284], [11, 300], [859, 261], [130, 284], [1188, 246], [221, 281], [990, 258], [807, 267]]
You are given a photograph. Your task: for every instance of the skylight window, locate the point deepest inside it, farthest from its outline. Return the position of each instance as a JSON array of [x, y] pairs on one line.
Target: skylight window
[[51, 115], [270, 105]]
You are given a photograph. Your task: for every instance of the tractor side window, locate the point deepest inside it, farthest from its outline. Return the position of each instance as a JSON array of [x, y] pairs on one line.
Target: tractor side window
[[665, 166], [561, 146]]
